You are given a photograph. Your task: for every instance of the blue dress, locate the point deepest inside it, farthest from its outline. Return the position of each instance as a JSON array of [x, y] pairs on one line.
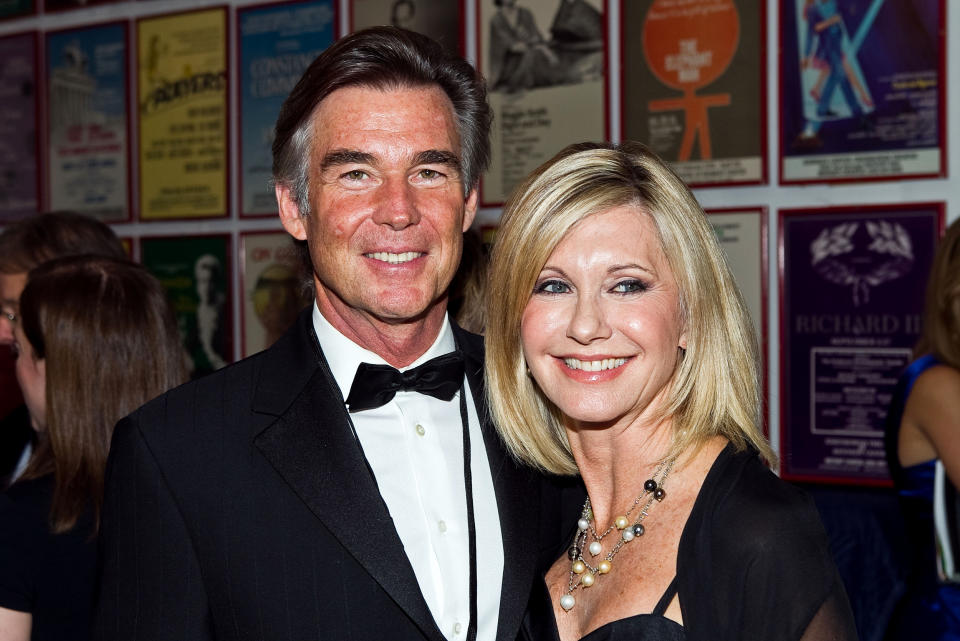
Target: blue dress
[[930, 610]]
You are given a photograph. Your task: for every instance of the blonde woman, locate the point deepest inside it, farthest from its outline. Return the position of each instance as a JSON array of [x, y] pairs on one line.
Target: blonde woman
[[618, 348]]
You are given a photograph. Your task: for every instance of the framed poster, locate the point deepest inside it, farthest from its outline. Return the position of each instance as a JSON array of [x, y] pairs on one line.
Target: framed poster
[[694, 86], [852, 283], [19, 143], [544, 62], [277, 42], [16, 8], [273, 278], [743, 235], [182, 97], [87, 150], [442, 21], [194, 271], [862, 90]]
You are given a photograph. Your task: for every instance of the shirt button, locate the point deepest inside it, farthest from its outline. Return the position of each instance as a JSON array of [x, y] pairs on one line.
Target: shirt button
[[420, 430], [442, 526], [457, 628]]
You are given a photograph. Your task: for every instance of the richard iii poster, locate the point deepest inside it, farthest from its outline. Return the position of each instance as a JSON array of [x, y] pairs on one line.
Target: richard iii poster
[[852, 282]]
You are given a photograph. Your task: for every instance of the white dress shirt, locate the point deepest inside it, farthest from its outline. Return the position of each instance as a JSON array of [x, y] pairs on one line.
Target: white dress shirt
[[414, 445]]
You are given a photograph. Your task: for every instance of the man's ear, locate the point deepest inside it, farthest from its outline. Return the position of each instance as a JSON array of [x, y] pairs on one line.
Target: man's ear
[[470, 208], [290, 216]]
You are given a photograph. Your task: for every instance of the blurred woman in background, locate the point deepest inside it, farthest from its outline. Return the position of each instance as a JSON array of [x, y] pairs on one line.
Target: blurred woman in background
[[95, 339], [923, 453]]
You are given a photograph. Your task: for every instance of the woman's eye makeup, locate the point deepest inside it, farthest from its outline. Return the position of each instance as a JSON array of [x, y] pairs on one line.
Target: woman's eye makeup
[[630, 286], [557, 286], [551, 286]]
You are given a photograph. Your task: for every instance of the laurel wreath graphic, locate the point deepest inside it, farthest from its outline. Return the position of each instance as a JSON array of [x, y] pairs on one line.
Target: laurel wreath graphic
[[830, 256]]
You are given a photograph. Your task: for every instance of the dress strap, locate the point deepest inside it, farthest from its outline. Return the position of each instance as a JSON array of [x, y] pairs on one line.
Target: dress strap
[[667, 597]]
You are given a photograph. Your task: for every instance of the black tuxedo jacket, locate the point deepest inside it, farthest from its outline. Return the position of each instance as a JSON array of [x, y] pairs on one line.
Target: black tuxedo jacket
[[240, 506]]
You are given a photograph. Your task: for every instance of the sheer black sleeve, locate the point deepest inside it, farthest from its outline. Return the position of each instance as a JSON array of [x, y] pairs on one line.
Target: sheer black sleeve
[[755, 562]]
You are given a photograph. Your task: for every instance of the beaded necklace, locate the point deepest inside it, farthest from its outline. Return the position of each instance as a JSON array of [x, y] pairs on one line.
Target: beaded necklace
[[582, 573]]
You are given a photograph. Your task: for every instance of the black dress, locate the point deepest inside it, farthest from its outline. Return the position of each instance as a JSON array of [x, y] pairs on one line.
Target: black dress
[[753, 563], [15, 436], [51, 576], [541, 624]]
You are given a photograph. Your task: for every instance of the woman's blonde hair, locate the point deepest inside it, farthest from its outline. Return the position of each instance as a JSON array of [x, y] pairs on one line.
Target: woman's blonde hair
[[940, 335], [715, 388]]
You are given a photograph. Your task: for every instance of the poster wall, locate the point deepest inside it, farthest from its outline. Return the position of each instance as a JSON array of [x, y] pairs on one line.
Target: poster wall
[[694, 90], [87, 128], [276, 44], [442, 21], [852, 284], [743, 235], [182, 98], [19, 170], [194, 271], [273, 280], [862, 93], [544, 65], [62, 5]]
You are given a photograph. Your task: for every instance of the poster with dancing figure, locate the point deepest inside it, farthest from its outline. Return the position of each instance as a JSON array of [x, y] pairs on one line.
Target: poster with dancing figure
[[195, 272], [277, 42], [544, 62], [87, 155], [694, 86], [852, 283], [442, 21], [862, 90]]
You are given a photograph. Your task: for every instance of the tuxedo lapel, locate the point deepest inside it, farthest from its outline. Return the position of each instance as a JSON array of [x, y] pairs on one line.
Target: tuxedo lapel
[[312, 446], [517, 491]]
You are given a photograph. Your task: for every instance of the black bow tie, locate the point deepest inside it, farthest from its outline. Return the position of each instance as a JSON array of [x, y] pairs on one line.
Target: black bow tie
[[376, 385]]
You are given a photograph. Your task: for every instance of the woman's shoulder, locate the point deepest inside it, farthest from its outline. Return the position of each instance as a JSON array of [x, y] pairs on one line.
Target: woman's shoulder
[[937, 380], [746, 507], [24, 510], [759, 542], [28, 496]]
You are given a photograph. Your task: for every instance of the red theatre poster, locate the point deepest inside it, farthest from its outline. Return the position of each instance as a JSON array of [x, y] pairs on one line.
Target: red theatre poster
[[693, 86]]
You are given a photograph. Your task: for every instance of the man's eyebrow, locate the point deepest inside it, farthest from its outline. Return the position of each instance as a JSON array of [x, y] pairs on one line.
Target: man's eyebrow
[[345, 157], [437, 157]]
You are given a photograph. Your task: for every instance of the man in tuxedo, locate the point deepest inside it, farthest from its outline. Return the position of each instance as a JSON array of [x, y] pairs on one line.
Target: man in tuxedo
[[313, 491]]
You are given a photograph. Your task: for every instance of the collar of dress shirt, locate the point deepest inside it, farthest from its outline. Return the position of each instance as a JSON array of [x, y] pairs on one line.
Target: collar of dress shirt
[[344, 356]]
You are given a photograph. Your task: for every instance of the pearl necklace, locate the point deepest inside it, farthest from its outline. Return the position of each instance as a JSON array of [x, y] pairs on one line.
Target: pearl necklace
[[582, 574]]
